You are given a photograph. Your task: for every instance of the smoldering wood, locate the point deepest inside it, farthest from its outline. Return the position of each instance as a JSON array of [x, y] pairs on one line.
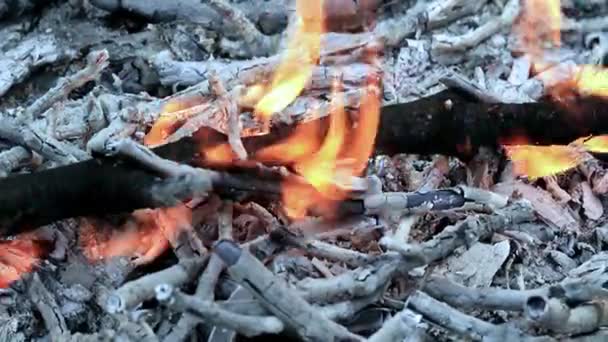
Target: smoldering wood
[[446, 122], [39, 198], [150, 181]]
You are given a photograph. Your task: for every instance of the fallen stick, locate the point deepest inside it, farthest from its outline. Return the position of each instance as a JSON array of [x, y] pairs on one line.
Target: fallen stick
[[404, 324], [319, 248], [277, 297], [145, 180], [205, 289], [557, 316], [452, 319], [571, 290], [454, 124], [445, 43], [214, 314], [134, 292], [97, 61]]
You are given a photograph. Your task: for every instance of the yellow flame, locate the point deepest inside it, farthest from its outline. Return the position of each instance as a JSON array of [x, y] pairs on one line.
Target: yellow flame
[[592, 80], [540, 161], [301, 56], [320, 168], [597, 144]]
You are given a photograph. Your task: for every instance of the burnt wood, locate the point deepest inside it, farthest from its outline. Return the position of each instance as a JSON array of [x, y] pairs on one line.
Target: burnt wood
[[449, 123]]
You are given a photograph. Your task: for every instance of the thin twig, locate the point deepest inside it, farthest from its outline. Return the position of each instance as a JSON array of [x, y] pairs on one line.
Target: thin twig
[[214, 314], [444, 43]]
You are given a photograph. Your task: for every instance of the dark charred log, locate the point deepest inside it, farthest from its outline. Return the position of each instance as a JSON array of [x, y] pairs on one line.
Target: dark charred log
[[449, 123]]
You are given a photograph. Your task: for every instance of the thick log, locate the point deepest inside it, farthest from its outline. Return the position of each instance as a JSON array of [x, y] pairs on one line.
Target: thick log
[[448, 123]]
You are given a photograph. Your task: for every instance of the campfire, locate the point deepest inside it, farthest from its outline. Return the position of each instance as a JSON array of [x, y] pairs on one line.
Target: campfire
[[326, 170]]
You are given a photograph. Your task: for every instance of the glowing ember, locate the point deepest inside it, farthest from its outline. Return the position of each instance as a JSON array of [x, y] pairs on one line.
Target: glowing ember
[[18, 257], [220, 154], [539, 26], [143, 238]]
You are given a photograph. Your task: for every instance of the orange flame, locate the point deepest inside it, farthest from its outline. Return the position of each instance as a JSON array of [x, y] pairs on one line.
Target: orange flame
[[301, 56], [539, 28], [220, 154], [326, 160], [540, 161], [172, 113], [144, 238], [304, 141], [320, 168]]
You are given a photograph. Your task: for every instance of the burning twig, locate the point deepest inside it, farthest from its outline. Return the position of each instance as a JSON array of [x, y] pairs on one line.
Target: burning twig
[[211, 312], [277, 297], [230, 109], [134, 292]]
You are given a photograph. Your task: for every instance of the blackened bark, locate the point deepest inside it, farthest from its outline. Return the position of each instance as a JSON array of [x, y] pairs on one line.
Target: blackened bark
[[448, 122]]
